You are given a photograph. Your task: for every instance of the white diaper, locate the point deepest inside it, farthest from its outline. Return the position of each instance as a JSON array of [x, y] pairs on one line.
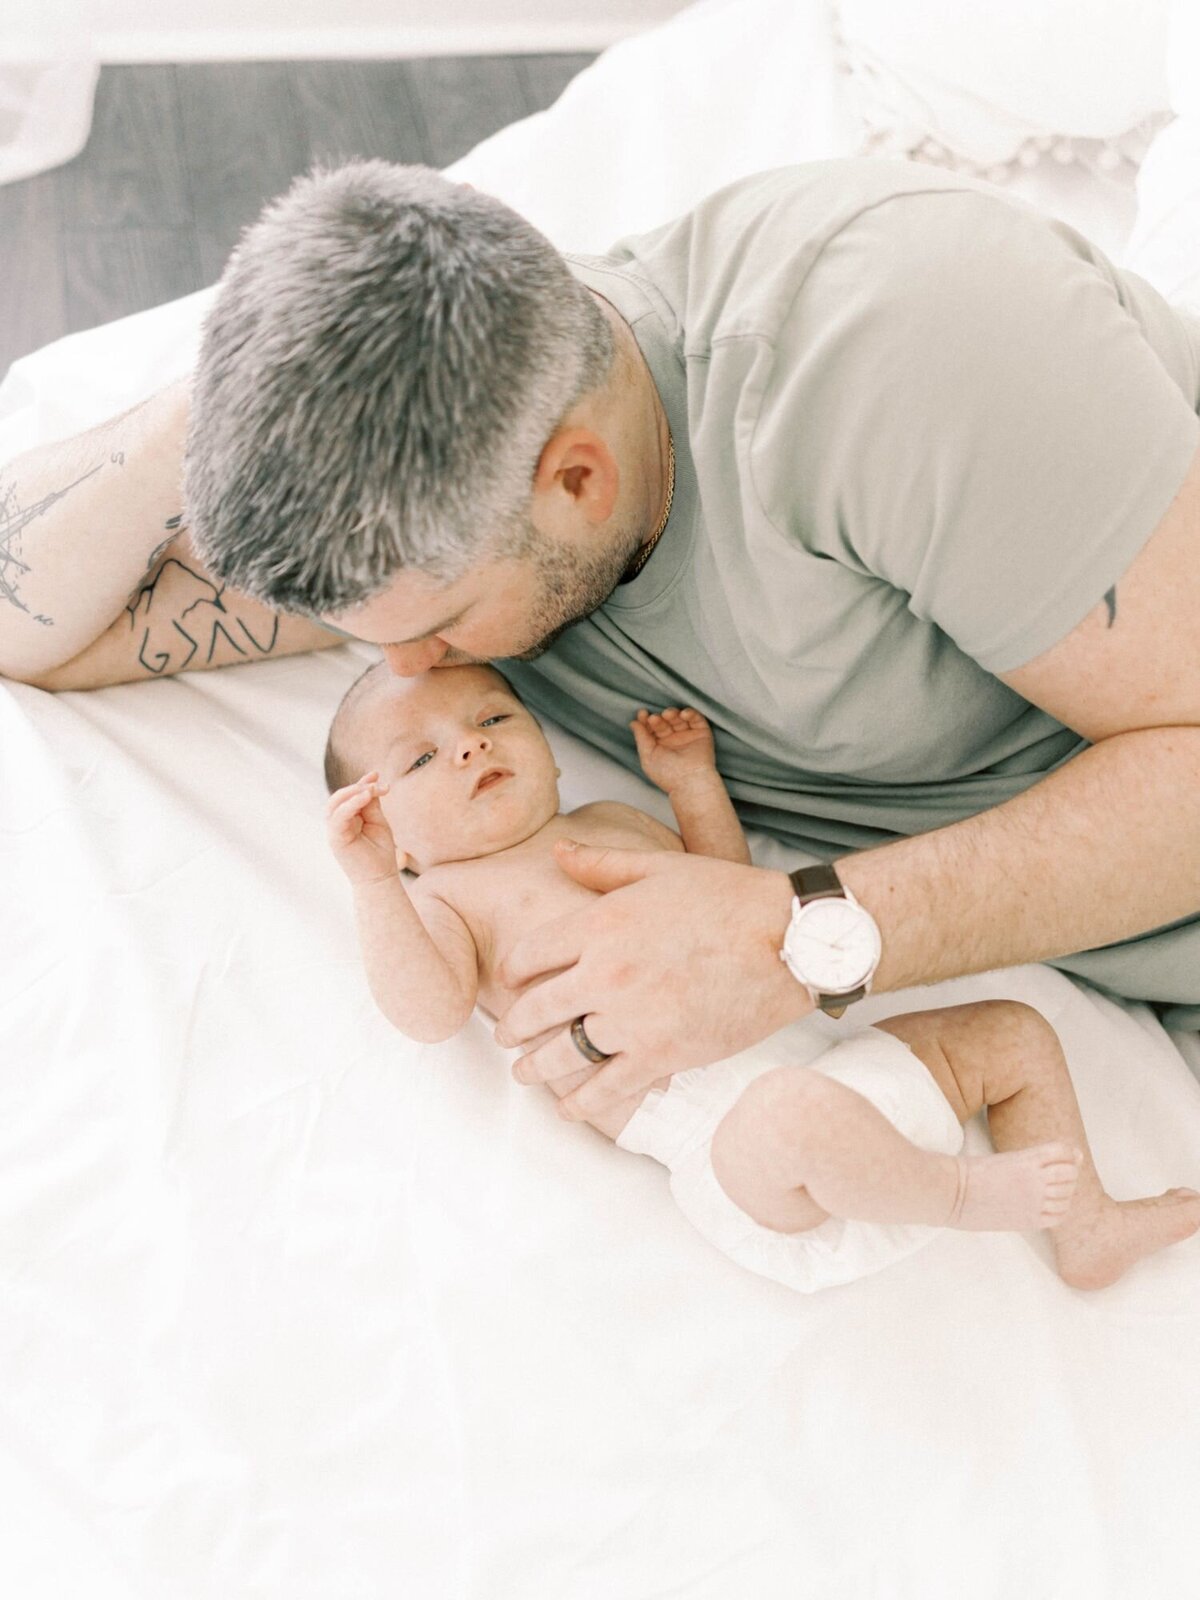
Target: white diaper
[[676, 1127]]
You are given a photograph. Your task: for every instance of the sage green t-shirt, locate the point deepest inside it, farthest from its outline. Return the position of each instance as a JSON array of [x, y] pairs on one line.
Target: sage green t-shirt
[[921, 430]]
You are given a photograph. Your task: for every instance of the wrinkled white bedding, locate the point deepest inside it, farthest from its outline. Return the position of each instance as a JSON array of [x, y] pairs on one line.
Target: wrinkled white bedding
[[290, 1306]]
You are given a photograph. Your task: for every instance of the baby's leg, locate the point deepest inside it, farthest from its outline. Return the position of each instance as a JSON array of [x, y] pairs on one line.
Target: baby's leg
[[798, 1147], [1006, 1056]]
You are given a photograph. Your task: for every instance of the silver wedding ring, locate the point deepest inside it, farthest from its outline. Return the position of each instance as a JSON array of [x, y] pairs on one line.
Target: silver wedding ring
[[584, 1045]]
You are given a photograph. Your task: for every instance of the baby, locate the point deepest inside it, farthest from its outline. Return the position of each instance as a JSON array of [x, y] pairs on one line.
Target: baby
[[806, 1160]]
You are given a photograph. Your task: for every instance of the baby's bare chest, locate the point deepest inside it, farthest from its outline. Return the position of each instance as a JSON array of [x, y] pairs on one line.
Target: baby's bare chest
[[503, 898]]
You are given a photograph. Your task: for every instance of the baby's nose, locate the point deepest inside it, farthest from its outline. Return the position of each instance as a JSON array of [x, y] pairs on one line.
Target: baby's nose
[[478, 742]]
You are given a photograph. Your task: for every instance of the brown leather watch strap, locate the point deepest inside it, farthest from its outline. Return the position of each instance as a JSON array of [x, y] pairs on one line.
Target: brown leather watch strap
[[816, 883], [820, 883]]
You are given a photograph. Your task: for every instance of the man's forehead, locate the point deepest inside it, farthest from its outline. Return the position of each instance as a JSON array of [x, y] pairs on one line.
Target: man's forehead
[[411, 609]]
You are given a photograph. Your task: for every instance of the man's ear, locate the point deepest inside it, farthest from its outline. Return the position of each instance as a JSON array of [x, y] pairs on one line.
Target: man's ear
[[579, 462]]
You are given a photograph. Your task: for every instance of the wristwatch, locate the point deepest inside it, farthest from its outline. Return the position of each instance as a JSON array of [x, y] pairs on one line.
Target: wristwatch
[[832, 945]]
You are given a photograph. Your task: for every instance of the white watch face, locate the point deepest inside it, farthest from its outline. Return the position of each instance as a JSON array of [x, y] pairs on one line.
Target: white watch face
[[832, 945]]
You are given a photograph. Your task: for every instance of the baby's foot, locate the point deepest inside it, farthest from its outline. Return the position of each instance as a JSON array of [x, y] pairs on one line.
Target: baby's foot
[[1094, 1250], [1020, 1189]]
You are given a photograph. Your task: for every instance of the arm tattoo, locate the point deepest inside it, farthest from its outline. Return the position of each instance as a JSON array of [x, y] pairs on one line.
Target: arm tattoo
[[181, 614], [13, 521], [1111, 600], [174, 525]]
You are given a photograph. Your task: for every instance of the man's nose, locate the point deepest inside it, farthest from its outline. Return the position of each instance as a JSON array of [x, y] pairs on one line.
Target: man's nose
[[408, 660]]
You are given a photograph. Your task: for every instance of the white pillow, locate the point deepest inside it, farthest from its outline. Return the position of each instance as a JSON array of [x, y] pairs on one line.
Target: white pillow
[[1164, 246], [988, 85], [45, 114]]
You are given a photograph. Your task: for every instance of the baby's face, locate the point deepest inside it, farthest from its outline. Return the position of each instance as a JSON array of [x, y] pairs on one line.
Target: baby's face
[[468, 767]]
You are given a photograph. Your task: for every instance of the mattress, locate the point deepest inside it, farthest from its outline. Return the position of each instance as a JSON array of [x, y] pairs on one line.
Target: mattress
[[292, 1306]]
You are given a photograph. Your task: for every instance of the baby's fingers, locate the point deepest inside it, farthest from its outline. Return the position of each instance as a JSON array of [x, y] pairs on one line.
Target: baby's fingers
[[349, 805], [362, 791], [687, 720], [346, 822]]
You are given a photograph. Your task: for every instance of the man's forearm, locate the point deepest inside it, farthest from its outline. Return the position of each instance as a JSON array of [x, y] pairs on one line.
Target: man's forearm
[[80, 522], [180, 619], [99, 583], [1103, 849]]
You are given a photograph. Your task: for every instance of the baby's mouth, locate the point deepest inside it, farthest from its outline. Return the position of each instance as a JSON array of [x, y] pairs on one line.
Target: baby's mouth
[[489, 779]]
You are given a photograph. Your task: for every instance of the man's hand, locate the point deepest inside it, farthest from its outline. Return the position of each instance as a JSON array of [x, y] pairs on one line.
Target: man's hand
[[676, 966]]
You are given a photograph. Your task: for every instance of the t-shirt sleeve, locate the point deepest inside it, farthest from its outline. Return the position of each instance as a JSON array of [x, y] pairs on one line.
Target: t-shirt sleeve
[[961, 404]]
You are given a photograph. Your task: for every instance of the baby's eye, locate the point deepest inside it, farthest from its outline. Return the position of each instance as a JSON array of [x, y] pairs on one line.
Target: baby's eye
[[499, 717], [421, 760]]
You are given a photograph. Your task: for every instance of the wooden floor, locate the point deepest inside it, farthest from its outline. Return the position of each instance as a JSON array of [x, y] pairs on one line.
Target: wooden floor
[[182, 157]]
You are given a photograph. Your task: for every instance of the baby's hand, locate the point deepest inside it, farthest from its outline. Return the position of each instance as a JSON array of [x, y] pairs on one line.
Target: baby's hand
[[673, 746], [359, 834]]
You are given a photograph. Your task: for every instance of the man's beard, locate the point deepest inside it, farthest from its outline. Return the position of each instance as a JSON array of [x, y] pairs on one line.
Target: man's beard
[[569, 588], [572, 586]]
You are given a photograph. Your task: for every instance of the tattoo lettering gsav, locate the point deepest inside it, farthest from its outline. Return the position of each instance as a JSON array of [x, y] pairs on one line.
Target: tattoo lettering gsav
[[179, 619]]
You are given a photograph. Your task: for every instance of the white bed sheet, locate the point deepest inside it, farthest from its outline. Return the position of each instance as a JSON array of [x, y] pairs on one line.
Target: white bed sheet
[[290, 1306]]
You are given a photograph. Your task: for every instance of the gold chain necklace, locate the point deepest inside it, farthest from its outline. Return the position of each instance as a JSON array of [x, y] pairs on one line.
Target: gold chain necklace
[[647, 550]]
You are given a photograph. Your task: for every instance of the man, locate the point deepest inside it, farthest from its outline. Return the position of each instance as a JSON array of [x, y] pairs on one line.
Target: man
[[893, 478]]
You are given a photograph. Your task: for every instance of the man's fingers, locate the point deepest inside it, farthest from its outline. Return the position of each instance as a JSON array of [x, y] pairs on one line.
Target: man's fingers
[[550, 948], [544, 1008], [549, 1056], [604, 867], [535, 1065], [618, 1080]]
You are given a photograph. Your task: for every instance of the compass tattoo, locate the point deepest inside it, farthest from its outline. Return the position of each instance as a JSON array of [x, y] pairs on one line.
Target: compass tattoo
[[14, 519]]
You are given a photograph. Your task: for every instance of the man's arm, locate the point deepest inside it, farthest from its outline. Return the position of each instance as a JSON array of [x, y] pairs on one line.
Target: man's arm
[[98, 581], [180, 619], [1105, 848]]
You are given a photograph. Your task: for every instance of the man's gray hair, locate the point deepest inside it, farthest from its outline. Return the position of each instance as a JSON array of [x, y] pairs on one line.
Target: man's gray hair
[[386, 358]]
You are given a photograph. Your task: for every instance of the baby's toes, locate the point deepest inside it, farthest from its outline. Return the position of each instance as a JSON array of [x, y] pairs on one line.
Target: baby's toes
[[1058, 1153], [1060, 1183]]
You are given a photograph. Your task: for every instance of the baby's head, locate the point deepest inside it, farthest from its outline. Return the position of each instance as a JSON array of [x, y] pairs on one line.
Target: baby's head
[[468, 767]]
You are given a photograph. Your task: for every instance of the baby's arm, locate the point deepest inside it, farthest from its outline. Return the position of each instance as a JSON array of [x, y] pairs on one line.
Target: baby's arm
[[676, 752], [422, 965]]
